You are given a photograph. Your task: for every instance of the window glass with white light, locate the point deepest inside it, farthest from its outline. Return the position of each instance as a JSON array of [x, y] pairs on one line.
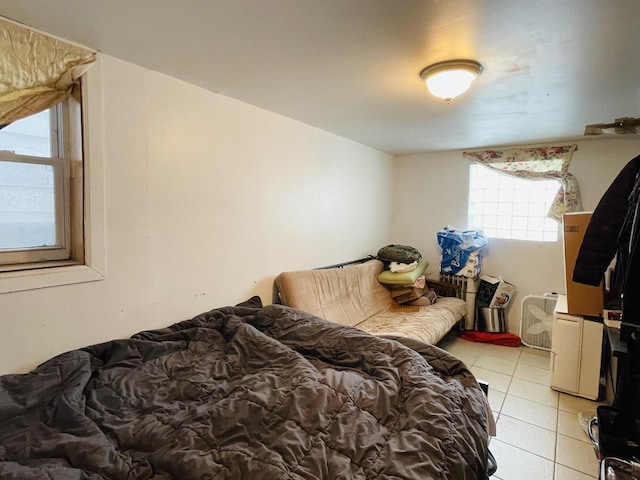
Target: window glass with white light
[[509, 207], [34, 197]]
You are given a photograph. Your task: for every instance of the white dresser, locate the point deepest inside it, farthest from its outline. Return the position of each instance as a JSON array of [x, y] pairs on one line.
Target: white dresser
[[576, 352]]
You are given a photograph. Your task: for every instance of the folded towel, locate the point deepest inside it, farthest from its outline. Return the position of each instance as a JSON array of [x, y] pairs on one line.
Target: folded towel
[[397, 267], [505, 339]]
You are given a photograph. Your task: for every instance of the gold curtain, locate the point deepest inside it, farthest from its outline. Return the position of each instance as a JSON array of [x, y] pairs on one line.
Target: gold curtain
[[36, 71]]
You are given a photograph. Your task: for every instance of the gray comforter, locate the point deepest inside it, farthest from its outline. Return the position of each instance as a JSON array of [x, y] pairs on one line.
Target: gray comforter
[[245, 392]]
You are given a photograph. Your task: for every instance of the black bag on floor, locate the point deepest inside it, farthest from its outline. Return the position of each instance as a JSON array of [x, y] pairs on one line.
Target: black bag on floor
[[618, 433]]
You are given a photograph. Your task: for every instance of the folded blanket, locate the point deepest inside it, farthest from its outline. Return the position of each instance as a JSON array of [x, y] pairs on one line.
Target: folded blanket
[[506, 339]]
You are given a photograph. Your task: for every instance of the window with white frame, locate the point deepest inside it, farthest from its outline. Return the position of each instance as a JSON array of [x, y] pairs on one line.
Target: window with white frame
[[509, 207], [41, 209]]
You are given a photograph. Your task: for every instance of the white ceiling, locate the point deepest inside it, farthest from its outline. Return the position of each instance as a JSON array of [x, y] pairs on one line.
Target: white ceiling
[[352, 67]]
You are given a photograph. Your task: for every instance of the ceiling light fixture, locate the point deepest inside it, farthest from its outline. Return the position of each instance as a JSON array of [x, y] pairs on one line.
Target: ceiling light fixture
[[451, 78]]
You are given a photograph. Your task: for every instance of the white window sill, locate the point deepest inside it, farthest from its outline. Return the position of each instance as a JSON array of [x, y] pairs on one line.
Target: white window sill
[[19, 281]]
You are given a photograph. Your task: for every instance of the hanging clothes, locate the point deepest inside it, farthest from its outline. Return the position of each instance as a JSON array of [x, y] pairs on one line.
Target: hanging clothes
[[601, 240], [613, 230]]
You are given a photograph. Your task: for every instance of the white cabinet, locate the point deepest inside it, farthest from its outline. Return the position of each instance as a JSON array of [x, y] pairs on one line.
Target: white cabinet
[[565, 352], [576, 353]]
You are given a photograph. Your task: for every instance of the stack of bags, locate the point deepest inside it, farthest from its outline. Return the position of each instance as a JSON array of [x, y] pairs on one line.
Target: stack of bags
[[404, 275], [461, 251]]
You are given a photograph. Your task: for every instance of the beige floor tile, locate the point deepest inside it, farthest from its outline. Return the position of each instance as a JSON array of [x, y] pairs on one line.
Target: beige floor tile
[[577, 455], [571, 403], [500, 351], [537, 351], [526, 436], [566, 473], [496, 364], [530, 412], [497, 381], [533, 374], [467, 352], [468, 358], [534, 391], [527, 357], [461, 344], [496, 399], [527, 412], [569, 425], [517, 464]]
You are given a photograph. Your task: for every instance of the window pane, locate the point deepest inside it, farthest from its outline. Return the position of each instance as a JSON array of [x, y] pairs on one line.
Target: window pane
[[27, 205], [520, 223], [491, 195], [521, 209], [29, 136], [537, 210], [491, 208], [505, 222], [521, 195], [506, 195], [505, 206]]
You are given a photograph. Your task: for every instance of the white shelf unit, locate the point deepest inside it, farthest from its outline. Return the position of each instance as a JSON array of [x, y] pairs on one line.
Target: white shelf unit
[[576, 353]]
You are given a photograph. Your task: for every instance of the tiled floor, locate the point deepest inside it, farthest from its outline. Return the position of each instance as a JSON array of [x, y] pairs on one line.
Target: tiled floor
[[539, 435]]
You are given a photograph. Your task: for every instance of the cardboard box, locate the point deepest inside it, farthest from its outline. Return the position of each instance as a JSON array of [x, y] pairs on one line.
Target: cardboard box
[[494, 292], [398, 291], [581, 299], [412, 294]]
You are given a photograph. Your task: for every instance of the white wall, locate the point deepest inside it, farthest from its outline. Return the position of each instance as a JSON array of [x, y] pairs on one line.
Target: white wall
[[431, 192], [207, 200]]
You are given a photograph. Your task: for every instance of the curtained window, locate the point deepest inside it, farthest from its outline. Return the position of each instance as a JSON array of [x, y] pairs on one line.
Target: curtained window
[[41, 160], [521, 193], [537, 163]]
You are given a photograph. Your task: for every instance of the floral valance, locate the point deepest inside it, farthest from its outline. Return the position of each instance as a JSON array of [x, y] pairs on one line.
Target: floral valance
[[36, 71], [537, 162]]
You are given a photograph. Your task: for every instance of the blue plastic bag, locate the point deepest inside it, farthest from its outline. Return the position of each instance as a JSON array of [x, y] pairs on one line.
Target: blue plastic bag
[[457, 246]]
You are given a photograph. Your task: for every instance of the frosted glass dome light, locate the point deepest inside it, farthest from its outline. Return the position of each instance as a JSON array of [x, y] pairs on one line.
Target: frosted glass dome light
[[447, 80]]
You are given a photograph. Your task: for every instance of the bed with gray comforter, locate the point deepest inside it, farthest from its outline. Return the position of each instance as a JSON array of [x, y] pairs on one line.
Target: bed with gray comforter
[[246, 392]]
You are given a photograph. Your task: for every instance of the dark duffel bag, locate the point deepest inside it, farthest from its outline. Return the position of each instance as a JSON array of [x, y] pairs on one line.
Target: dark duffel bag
[[399, 254], [618, 433]]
